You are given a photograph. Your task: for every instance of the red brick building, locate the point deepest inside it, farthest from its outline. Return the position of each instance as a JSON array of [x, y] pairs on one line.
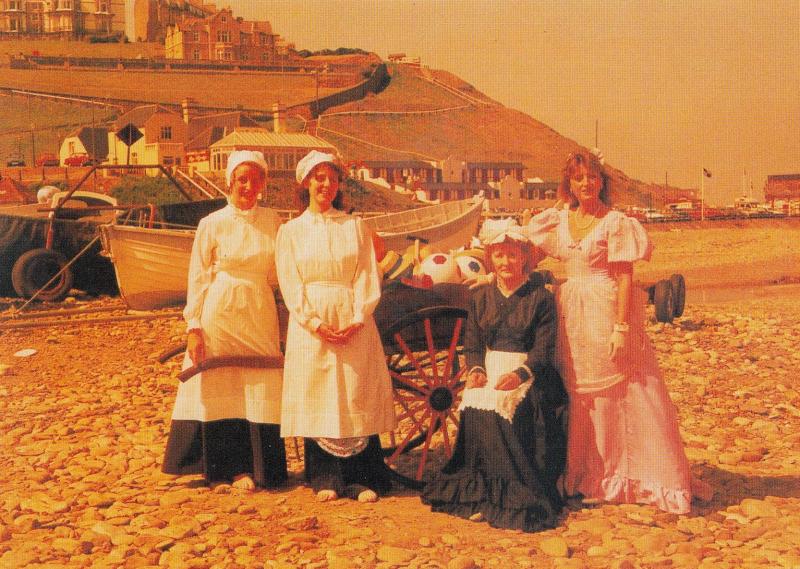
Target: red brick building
[[223, 37], [782, 187]]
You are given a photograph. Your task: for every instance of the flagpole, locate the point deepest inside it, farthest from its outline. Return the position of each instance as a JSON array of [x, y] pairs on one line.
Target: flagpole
[[702, 194]]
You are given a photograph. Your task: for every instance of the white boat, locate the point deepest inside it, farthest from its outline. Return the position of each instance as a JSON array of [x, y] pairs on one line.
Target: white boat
[[152, 264], [444, 226]]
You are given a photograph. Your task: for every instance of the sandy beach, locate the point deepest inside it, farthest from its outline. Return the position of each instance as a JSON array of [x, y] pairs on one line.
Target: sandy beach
[[83, 423]]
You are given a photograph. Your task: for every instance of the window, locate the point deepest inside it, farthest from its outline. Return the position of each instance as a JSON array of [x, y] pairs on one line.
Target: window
[[196, 55], [223, 36], [224, 19], [166, 133], [244, 57], [196, 36]]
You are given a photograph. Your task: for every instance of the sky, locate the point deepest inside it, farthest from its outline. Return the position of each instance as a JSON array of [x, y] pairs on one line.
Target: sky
[[666, 88]]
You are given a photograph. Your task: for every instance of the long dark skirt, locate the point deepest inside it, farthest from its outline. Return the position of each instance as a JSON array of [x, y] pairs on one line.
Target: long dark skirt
[[221, 450], [506, 471], [324, 471]]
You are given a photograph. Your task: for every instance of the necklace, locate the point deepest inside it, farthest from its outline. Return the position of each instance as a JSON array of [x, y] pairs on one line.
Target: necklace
[[580, 227]]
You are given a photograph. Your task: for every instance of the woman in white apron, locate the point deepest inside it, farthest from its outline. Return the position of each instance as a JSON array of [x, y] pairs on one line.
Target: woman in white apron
[[225, 420], [337, 392], [511, 447]]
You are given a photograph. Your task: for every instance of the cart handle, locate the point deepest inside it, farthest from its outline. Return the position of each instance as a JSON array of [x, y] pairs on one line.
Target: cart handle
[[264, 362]]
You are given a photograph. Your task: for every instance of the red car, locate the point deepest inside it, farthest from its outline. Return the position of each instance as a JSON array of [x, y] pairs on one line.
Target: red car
[[79, 160], [47, 159]]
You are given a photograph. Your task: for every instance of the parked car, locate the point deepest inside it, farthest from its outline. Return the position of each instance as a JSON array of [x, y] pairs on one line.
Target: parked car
[[15, 163], [47, 159], [79, 160]]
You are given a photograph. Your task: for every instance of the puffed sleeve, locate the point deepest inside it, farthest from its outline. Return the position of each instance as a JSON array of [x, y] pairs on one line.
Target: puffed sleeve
[[200, 273], [366, 280], [627, 240], [542, 231], [291, 283]]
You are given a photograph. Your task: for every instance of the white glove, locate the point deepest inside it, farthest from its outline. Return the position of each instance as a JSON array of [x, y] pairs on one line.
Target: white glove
[[616, 344]]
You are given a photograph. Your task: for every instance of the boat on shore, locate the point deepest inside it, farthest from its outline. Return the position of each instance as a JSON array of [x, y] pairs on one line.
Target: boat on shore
[[443, 227], [47, 248], [152, 263]]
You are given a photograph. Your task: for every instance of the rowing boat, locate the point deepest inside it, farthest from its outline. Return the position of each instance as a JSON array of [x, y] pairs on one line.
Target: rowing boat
[[152, 263]]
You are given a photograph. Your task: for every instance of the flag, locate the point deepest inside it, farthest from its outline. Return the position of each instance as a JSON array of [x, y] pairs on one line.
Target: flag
[[706, 173]]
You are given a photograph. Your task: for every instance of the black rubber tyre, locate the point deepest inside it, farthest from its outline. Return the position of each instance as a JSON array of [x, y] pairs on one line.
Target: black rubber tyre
[[678, 294], [35, 268], [663, 301]]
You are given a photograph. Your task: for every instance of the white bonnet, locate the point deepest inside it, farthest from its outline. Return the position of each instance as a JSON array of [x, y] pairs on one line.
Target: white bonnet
[[238, 157], [498, 230], [314, 159]]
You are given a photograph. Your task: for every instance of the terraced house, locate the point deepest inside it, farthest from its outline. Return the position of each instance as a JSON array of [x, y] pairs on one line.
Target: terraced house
[[64, 19]]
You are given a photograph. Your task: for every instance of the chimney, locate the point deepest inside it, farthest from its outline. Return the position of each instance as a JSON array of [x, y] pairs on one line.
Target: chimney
[[278, 117], [189, 107]]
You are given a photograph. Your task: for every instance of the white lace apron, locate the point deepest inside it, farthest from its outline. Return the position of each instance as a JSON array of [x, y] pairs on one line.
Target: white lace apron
[[504, 403]]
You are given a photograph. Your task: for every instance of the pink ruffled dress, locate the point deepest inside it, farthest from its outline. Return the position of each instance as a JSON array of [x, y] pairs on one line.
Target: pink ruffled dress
[[623, 440]]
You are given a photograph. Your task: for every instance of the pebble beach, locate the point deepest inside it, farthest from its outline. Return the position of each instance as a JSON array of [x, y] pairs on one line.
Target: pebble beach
[[84, 419]]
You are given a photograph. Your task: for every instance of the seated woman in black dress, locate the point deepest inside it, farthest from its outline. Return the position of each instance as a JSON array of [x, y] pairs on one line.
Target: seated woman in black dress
[[511, 446]]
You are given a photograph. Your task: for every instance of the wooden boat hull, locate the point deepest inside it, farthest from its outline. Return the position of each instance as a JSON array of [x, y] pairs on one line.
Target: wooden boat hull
[[151, 265], [444, 226]]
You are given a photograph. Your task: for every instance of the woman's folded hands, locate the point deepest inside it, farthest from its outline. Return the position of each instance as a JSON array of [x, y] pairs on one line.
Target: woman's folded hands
[[333, 336]]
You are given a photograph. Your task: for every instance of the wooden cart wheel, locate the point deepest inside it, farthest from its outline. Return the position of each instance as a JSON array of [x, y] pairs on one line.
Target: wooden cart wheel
[[678, 294], [663, 300], [424, 360]]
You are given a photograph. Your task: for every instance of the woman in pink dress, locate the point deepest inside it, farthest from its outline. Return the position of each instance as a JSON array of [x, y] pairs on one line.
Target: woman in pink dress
[[623, 440]]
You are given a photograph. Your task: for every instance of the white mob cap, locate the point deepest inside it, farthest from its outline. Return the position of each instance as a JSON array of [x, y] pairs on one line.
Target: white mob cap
[[314, 159], [496, 231], [239, 157]]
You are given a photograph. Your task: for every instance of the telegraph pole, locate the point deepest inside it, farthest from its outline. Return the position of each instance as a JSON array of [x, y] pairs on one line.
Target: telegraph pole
[[33, 137]]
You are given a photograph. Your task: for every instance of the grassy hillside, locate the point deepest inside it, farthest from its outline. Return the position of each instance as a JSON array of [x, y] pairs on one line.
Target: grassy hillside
[[51, 122], [477, 132], [414, 117], [249, 90]]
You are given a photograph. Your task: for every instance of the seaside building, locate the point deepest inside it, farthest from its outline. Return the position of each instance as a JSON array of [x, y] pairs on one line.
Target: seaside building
[[282, 150], [62, 19], [223, 37], [457, 170], [405, 172], [151, 18], [157, 135], [782, 187], [93, 142], [205, 130]]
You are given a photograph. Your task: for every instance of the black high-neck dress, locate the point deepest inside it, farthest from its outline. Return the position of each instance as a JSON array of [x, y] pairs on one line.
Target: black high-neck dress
[[511, 447]]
